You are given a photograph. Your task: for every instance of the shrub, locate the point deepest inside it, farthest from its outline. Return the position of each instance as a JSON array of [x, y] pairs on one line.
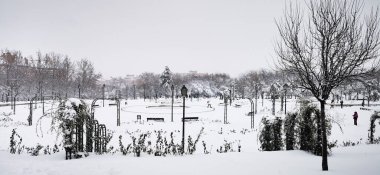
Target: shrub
[[270, 136], [15, 142], [289, 130]]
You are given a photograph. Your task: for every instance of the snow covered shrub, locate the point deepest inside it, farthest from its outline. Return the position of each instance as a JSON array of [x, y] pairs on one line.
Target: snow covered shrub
[[277, 134], [244, 131], [270, 135], [221, 131], [372, 127], [55, 148], [159, 144], [121, 146], [289, 129], [172, 147], [192, 146], [123, 150], [226, 147], [140, 146], [15, 142], [36, 151], [47, 150], [149, 148], [376, 140], [310, 129], [265, 135], [306, 129], [204, 147], [350, 143]]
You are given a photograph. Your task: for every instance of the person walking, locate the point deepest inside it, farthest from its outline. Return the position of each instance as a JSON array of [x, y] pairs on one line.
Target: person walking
[[355, 118], [341, 103]]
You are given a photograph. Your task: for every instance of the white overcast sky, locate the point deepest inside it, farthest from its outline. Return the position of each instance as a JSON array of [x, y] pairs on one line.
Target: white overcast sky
[[130, 37]]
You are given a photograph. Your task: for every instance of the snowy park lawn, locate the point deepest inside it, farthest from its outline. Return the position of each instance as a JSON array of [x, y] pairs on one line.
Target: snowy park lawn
[[362, 159]]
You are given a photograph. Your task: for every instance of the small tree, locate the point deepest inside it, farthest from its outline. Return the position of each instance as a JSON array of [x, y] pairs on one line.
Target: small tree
[[166, 80], [329, 47], [277, 134], [289, 129], [265, 137]]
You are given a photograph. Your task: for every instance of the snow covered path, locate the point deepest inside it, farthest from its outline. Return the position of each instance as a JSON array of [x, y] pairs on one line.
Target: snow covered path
[[362, 159]]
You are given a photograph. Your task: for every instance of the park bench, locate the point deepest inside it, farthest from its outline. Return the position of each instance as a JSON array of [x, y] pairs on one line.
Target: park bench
[[112, 104], [155, 119], [191, 118], [367, 109], [250, 113]]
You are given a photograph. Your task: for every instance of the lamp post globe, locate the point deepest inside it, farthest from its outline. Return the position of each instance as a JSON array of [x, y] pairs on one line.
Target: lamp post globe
[[184, 91]]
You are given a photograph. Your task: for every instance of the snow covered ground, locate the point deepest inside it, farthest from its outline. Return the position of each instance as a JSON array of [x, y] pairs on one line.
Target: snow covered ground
[[348, 161], [344, 160]]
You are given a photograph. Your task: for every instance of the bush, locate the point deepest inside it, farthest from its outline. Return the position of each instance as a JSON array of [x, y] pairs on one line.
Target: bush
[[271, 135], [36, 151], [15, 142], [289, 130], [310, 129]]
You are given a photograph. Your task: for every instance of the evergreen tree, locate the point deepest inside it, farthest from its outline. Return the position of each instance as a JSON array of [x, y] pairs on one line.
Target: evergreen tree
[[277, 134], [166, 80], [306, 130], [289, 129], [265, 137]]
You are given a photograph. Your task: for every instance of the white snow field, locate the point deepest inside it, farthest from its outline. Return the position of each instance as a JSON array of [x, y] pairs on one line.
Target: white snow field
[[361, 159]]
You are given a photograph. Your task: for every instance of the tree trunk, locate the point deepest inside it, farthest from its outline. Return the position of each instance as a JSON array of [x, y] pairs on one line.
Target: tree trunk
[[324, 137]]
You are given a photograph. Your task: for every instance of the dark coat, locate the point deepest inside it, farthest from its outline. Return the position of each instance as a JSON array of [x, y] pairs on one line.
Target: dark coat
[[355, 115]]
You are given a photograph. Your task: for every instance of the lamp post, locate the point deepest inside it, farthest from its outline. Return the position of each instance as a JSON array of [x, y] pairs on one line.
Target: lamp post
[[103, 91], [230, 97], [285, 87], [256, 92], [226, 98], [252, 114], [273, 92], [184, 94], [172, 88]]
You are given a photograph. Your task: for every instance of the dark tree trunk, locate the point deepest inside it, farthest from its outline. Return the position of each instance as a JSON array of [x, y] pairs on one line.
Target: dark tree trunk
[[324, 137]]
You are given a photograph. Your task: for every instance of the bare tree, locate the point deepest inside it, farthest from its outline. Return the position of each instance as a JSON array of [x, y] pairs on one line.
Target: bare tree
[[332, 45]]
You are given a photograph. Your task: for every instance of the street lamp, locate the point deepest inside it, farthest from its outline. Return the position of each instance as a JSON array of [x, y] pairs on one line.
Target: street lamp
[[226, 98], [172, 88], [184, 94], [285, 87], [103, 91], [252, 113], [230, 97]]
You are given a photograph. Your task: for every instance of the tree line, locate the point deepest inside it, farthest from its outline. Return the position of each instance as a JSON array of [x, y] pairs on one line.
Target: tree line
[[49, 74]]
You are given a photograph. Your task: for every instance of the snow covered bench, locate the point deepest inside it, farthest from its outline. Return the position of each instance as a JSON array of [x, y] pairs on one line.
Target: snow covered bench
[[237, 105], [155, 119], [191, 118], [250, 114], [363, 108]]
